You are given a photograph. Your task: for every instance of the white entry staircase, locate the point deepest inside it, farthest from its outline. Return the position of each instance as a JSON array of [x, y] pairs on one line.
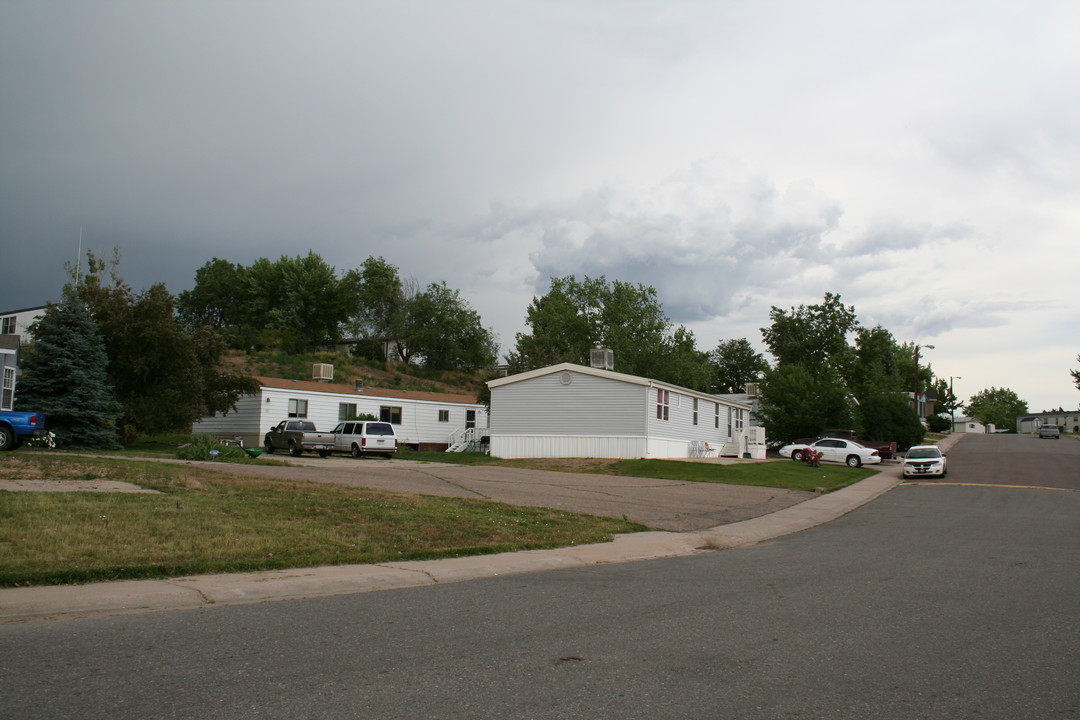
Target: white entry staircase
[[465, 439]]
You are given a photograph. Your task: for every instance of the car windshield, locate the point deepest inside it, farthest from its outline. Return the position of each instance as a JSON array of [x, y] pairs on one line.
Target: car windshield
[[924, 452]]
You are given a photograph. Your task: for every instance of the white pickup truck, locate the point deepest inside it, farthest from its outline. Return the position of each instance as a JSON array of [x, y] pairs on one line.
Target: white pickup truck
[[298, 436]]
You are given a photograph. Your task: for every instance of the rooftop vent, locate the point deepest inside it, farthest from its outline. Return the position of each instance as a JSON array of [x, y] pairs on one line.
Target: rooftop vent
[[752, 390], [602, 359], [323, 372], [359, 385]]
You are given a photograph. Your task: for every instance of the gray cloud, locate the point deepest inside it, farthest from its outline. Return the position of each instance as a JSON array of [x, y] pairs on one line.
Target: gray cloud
[[720, 153]]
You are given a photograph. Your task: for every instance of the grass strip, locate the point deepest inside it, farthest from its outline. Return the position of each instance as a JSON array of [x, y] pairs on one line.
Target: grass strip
[[210, 522], [788, 475]]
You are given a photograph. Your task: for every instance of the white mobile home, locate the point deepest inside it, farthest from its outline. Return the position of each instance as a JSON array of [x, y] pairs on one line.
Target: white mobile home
[[426, 420], [570, 410]]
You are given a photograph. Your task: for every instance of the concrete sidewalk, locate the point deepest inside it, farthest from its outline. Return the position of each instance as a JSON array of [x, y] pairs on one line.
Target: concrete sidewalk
[[112, 598]]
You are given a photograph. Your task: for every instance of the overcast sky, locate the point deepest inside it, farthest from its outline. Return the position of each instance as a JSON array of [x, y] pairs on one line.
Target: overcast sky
[[918, 158]]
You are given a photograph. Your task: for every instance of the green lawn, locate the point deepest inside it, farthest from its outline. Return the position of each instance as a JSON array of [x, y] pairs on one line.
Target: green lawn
[[208, 522]]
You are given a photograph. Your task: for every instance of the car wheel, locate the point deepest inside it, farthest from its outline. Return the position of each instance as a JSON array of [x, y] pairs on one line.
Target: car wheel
[[854, 461], [7, 439], [796, 455], [268, 446], [293, 450], [355, 450]]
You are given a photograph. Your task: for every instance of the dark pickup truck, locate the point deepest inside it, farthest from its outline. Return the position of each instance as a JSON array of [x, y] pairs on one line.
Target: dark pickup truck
[[887, 450], [15, 427], [296, 436]]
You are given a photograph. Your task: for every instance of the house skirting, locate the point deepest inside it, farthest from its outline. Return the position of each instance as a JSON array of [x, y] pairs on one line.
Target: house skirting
[[595, 446]]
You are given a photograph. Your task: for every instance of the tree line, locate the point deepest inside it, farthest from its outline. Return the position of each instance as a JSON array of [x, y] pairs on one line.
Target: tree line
[[163, 354]]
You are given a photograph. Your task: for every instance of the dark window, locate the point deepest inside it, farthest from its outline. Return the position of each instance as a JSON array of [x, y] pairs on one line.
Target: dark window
[[390, 414], [380, 428], [444, 416]]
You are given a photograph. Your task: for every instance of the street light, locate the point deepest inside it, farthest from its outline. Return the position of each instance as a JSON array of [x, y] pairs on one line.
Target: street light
[[952, 404], [915, 397]]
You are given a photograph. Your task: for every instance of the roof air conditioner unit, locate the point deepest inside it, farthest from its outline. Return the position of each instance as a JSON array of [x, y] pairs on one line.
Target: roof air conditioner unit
[[602, 358], [323, 372], [752, 390]]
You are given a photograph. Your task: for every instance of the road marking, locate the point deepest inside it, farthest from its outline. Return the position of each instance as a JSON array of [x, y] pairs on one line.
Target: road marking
[[1015, 487]]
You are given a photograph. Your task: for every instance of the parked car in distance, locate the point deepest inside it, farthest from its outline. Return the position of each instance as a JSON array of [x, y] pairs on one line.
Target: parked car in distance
[[365, 437], [296, 436], [848, 452], [925, 461], [885, 449], [1049, 431]]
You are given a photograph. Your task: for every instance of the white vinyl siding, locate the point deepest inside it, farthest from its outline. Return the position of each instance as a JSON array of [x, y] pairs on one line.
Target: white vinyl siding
[[256, 414], [586, 405], [563, 411]]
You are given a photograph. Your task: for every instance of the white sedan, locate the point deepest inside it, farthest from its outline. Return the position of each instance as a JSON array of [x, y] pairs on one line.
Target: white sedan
[[925, 461], [835, 450]]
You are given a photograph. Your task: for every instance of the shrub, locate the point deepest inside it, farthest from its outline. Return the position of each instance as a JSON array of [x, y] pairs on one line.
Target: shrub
[[205, 447], [938, 423]]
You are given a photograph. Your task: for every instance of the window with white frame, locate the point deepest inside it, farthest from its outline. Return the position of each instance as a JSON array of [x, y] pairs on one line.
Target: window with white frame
[[663, 402], [716, 416], [695, 410], [7, 325], [297, 408], [740, 420], [8, 397], [346, 411], [444, 416], [390, 414]]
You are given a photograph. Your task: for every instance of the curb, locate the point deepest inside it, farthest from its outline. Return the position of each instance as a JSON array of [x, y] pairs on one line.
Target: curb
[[202, 591]]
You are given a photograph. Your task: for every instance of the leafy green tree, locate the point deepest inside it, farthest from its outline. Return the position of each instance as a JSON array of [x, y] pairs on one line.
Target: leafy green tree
[[380, 299], [734, 363], [445, 333], [947, 402], [576, 316], [880, 364], [888, 417], [164, 372], [64, 376], [796, 403], [299, 299], [291, 303], [1076, 375], [814, 336], [217, 299], [679, 362], [997, 406]]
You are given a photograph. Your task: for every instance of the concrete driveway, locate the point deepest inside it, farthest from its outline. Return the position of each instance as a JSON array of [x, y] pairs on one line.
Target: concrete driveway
[[658, 504]]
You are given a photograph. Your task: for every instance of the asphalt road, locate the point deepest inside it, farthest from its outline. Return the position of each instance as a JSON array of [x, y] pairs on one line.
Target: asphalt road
[[934, 601]]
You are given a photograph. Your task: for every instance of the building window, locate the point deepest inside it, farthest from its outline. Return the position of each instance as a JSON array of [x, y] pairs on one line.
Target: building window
[[663, 401], [346, 411], [390, 414], [297, 408], [716, 416], [9, 389], [7, 325], [695, 411], [444, 416], [739, 420]]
